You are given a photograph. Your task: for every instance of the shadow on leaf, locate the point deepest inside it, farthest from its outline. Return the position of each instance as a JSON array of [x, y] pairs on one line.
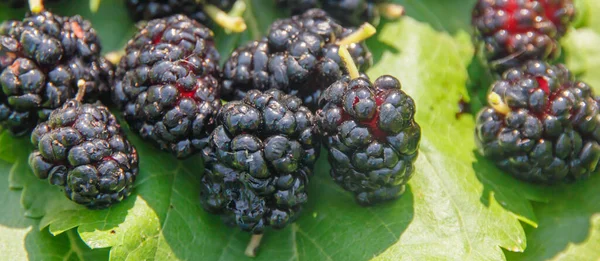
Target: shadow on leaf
[[568, 224]]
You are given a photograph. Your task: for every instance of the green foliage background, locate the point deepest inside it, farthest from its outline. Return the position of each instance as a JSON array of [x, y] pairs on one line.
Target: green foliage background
[[457, 207]]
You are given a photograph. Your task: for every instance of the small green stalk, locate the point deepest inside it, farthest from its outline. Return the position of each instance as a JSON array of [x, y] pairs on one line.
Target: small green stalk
[[364, 32], [235, 24], [94, 5], [349, 62]]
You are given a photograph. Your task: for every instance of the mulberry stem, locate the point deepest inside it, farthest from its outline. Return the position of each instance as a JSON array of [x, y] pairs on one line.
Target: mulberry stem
[[235, 24], [81, 85], [36, 6], [253, 245], [347, 58], [94, 5], [496, 102], [364, 32], [238, 9], [391, 11]]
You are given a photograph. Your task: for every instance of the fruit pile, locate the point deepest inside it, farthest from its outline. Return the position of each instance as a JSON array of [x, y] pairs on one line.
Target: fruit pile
[[540, 125], [258, 122]]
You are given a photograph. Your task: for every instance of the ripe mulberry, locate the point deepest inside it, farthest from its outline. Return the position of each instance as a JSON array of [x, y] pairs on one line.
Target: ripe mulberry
[[510, 32], [259, 161], [168, 84], [83, 149], [41, 60], [299, 56], [541, 126]]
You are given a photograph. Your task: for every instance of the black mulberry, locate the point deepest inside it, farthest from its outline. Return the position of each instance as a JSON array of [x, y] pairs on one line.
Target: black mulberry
[[168, 84], [299, 56], [510, 32], [259, 160], [83, 149], [541, 125], [371, 135], [41, 60]]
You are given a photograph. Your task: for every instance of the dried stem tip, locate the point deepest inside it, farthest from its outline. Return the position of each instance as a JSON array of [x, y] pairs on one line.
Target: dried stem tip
[[349, 62], [496, 102], [81, 85], [390, 10], [36, 6], [253, 245]]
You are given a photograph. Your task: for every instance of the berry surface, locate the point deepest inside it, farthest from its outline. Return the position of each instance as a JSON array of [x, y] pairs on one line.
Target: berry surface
[[541, 126], [82, 149], [259, 161], [168, 84], [42, 58], [371, 135]]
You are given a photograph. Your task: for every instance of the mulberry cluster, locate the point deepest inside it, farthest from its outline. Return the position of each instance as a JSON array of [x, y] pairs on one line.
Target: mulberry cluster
[[510, 32], [259, 161], [168, 84], [41, 60], [541, 125], [371, 135], [83, 149], [299, 56]]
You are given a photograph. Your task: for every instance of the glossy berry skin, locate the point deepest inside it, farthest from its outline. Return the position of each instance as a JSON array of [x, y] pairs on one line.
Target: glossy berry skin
[[371, 135], [299, 56], [259, 161], [510, 32], [551, 132], [153, 9], [347, 12], [82, 149], [42, 58], [168, 84]]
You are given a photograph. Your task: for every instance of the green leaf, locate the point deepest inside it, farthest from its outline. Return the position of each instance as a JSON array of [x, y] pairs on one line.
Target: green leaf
[[458, 205], [22, 240], [569, 225]]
